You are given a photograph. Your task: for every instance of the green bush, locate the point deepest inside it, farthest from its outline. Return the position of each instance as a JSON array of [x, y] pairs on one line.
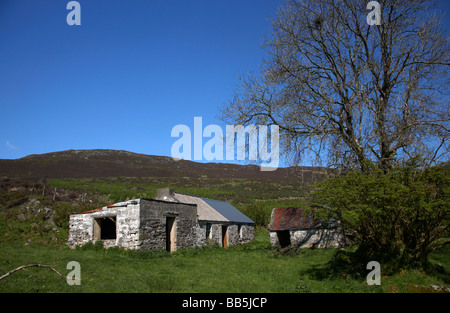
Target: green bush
[[397, 217], [61, 214], [258, 213]]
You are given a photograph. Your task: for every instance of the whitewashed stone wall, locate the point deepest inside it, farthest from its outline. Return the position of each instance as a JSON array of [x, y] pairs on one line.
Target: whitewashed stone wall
[[216, 234], [80, 229], [317, 238], [143, 226], [247, 233], [233, 235], [237, 233], [127, 227], [200, 233], [128, 224], [312, 238]]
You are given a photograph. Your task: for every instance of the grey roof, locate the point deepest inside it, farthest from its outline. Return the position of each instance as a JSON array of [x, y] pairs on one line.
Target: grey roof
[[208, 209], [228, 211], [204, 211]]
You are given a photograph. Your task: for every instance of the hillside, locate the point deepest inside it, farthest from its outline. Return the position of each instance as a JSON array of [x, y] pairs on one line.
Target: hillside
[[39, 192], [73, 181], [45, 189], [114, 163]]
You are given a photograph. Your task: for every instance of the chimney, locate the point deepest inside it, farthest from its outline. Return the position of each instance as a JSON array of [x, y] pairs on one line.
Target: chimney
[[165, 194]]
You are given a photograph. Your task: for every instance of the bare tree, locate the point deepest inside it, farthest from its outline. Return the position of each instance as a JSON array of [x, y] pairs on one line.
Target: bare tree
[[348, 92]]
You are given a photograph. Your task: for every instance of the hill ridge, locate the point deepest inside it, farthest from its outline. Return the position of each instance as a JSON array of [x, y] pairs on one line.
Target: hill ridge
[[84, 163]]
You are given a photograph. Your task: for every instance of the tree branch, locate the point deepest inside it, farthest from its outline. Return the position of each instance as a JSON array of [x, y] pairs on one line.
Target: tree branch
[[33, 265]]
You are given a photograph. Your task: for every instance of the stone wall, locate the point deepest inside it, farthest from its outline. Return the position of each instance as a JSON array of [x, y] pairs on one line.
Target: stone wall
[[153, 218], [247, 233], [200, 232], [312, 238], [143, 226], [216, 234], [83, 227], [233, 235], [237, 233], [128, 227], [80, 230], [317, 238], [152, 233]]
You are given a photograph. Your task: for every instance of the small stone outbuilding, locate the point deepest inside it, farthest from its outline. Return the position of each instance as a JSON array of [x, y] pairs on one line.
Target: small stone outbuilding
[[171, 222], [137, 224], [296, 228]]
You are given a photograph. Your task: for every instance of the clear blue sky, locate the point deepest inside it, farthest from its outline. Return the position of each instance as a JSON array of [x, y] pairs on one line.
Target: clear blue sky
[[125, 77]]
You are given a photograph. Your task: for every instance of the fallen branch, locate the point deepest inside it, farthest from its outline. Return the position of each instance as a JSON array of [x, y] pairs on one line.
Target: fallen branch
[[33, 265]]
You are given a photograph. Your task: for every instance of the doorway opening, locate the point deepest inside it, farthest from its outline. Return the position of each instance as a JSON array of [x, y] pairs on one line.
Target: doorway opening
[[284, 238], [171, 233], [208, 231], [105, 228], [224, 236]]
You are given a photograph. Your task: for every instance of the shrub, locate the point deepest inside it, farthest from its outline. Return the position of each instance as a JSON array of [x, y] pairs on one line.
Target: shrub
[[396, 217], [62, 211], [258, 213]]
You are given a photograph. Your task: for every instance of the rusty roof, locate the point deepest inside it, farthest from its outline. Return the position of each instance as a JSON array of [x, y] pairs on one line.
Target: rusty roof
[[292, 218], [92, 211], [115, 205]]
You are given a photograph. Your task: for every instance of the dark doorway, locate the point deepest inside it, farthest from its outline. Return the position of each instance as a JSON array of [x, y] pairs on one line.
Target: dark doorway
[[208, 230], [105, 228], [171, 244], [284, 238], [224, 236]]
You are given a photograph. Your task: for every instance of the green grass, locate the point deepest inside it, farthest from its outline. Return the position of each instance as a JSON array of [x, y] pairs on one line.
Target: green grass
[[254, 267], [238, 191]]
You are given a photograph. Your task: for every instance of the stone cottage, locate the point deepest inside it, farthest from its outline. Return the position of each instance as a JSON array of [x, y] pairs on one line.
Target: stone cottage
[[294, 227], [170, 223], [218, 221]]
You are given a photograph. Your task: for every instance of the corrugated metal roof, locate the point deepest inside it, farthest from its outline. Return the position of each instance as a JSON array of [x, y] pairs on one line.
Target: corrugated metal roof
[[204, 211], [92, 211], [228, 211], [115, 205], [292, 218]]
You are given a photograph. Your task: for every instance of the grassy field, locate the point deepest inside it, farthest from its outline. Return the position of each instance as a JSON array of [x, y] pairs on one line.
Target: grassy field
[[27, 236], [250, 268]]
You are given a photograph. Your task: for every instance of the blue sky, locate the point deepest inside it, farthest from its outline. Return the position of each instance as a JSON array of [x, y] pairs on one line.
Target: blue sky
[[125, 77]]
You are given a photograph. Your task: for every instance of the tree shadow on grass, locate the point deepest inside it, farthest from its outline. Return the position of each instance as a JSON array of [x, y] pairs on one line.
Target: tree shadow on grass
[[350, 264], [341, 265]]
